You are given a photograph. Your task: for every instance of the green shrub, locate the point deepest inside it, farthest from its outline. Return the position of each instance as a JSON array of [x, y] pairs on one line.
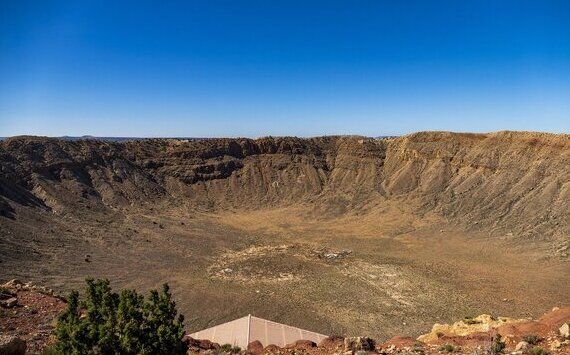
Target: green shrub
[[230, 349], [538, 351], [532, 339], [498, 345], [105, 322], [470, 320], [226, 348], [447, 347]]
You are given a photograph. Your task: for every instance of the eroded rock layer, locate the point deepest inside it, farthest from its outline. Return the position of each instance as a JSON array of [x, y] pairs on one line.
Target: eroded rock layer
[[515, 183]]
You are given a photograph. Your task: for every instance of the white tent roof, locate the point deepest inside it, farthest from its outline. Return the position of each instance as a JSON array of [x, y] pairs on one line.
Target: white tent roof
[[243, 331]]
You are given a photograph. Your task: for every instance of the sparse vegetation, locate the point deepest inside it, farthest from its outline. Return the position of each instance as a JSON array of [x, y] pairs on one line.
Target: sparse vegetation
[[470, 320], [532, 339], [226, 348], [105, 322], [538, 351], [498, 345], [230, 349], [447, 348]]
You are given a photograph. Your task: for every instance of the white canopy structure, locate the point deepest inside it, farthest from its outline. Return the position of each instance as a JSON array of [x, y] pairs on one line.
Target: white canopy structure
[[242, 331]]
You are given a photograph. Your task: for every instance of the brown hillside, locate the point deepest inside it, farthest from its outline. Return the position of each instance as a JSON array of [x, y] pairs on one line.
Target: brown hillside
[[508, 182]]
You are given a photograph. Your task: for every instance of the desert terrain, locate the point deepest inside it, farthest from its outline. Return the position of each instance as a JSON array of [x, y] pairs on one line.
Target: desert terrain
[[339, 235]]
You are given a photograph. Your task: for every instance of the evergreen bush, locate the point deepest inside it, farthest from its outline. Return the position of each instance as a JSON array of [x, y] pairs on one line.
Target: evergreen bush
[[105, 322]]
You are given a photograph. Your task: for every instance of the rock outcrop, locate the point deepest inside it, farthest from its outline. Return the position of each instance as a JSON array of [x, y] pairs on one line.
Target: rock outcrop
[[480, 324], [518, 334]]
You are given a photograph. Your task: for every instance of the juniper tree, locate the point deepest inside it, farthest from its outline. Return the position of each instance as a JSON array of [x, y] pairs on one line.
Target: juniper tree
[[105, 322]]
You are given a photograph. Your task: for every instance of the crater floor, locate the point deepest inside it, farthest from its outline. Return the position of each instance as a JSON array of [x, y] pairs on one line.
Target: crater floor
[[334, 276]]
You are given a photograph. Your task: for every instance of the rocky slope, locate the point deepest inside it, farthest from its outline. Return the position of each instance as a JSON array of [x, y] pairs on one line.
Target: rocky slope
[[509, 183]]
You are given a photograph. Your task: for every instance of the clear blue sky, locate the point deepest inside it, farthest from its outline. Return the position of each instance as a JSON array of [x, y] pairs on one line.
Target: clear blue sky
[[282, 67]]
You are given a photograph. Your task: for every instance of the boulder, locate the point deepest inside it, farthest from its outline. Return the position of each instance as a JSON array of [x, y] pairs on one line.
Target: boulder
[[564, 330], [204, 344], [208, 345], [9, 303], [255, 347], [272, 348], [12, 345], [332, 342]]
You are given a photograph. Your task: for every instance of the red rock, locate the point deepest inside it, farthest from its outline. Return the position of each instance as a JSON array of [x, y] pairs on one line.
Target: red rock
[[203, 344], [208, 345], [272, 348], [471, 340], [301, 344], [400, 341], [332, 342], [519, 330], [255, 347], [556, 317]]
